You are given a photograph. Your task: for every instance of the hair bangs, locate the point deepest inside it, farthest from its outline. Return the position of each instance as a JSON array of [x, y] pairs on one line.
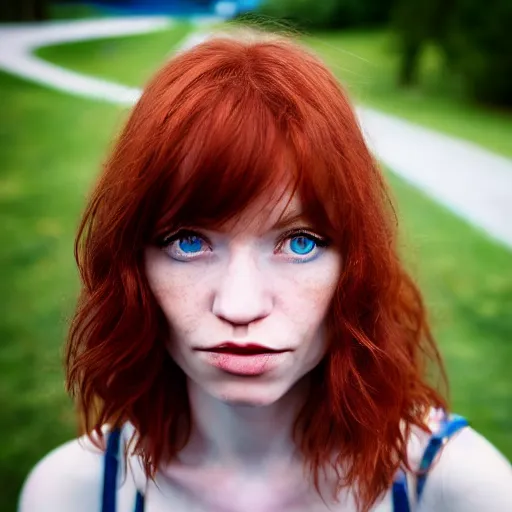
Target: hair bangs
[[234, 155]]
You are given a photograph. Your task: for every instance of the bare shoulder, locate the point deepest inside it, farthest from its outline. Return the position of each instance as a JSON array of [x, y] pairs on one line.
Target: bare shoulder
[[68, 478], [470, 475]]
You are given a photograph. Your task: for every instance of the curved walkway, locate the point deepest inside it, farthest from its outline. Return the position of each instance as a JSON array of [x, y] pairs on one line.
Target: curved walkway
[[18, 42], [472, 182]]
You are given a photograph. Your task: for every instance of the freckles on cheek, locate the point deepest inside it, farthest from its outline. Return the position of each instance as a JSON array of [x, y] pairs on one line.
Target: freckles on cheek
[[318, 299], [167, 280], [318, 285], [313, 288]]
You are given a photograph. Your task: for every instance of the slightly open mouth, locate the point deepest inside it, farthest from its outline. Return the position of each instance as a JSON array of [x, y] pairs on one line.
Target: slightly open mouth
[[244, 351]]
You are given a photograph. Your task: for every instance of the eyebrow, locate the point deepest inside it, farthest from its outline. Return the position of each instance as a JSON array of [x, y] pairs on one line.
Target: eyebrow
[[287, 220]]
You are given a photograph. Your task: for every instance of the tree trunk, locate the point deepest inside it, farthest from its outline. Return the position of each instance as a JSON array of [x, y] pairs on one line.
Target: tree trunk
[[408, 73]]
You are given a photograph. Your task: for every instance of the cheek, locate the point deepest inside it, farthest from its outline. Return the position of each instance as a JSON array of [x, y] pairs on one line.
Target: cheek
[[310, 291], [172, 288]]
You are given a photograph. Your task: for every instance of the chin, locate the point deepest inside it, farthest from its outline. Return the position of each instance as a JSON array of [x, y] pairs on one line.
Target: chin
[[248, 394]]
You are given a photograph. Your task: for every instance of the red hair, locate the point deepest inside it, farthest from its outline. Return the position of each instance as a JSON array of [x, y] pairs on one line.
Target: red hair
[[215, 129]]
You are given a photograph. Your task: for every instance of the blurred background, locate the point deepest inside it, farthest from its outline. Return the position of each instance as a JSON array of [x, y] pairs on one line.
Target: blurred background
[[444, 67]]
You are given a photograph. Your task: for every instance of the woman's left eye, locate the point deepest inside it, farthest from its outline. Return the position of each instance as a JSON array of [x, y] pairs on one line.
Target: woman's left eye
[[301, 246], [186, 245]]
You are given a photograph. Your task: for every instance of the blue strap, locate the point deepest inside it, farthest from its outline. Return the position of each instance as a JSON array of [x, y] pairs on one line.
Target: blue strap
[[449, 427], [111, 463], [111, 466], [139, 502], [400, 493]]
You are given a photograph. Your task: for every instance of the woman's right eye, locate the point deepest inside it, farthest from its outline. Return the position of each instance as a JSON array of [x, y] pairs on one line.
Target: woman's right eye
[[185, 245]]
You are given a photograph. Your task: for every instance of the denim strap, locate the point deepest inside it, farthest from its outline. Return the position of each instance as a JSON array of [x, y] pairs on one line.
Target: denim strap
[[111, 464]]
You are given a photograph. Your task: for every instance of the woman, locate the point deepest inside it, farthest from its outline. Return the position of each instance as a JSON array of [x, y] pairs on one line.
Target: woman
[[246, 329]]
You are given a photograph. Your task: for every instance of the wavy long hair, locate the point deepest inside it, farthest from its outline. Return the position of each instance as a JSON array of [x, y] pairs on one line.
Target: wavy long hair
[[218, 127]]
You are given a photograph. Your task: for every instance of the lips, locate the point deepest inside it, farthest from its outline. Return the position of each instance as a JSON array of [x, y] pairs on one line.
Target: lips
[[249, 359], [249, 349]]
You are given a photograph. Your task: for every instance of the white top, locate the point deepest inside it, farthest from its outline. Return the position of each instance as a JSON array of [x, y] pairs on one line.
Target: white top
[[470, 476]]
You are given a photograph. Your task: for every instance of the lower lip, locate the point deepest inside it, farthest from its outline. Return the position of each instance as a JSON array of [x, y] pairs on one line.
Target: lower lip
[[255, 364]]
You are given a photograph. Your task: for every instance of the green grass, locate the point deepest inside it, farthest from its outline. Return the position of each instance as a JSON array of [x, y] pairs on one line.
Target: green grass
[[467, 282], [51, 147], [62, 11], [126, 60], [366, 63]]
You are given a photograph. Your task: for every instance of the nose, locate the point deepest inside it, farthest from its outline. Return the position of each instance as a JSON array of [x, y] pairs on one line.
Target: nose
[[243, 295]]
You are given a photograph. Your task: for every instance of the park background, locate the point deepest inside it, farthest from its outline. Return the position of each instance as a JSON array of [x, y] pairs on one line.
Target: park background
[[444, 65]]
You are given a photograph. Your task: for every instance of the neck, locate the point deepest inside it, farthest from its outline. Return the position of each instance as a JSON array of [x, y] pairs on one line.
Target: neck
[[242, 435]]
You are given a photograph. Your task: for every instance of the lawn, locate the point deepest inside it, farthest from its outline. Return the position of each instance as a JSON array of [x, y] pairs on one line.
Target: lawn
[[365, 62], [140, 54], [51, 147]]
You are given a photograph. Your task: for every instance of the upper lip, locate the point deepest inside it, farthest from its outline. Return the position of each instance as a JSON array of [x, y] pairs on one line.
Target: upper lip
[[244, 349]]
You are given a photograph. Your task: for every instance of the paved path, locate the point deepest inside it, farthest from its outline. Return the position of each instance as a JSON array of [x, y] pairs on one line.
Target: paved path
[[17, 44], [472, 182]]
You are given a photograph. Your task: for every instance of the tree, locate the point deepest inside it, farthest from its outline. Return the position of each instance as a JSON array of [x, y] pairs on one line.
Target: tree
[[473, 36], [480, 48], [23, 10], [418, 23], [322, 14]]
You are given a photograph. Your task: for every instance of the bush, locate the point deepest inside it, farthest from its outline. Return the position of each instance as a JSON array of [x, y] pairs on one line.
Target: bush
[[310, 14], [473, 35], [480, 46]]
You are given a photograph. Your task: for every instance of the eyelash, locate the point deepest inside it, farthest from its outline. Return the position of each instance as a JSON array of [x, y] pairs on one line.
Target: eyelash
[[182, 233], [297, 232], [319, 241]]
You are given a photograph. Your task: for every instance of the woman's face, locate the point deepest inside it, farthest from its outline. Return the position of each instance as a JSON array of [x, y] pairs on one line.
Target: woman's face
[[246, 305]]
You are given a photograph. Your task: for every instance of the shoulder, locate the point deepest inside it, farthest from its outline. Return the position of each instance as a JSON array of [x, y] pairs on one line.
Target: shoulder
[[71, 478], [470, 475], [68, 478]]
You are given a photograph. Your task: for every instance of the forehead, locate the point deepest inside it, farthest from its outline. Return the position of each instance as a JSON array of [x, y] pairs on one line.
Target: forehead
[[266, 213]]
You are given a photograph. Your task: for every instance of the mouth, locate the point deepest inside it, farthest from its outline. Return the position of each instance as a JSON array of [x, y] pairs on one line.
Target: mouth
[[249, 360], [249, 349]]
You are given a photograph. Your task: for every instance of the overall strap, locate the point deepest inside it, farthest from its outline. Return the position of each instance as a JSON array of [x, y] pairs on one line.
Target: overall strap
[[139, 502], [111, 468], [400, 490], [449, 426], [111, 464], [400, 493]]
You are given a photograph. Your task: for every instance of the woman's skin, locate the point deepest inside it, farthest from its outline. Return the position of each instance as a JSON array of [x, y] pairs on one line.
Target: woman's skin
[[247, 284], [262, 280]]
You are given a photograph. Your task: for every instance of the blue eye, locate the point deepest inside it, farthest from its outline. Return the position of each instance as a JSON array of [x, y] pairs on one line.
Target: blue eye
[[190, 244], [185, 245], [302, 245]]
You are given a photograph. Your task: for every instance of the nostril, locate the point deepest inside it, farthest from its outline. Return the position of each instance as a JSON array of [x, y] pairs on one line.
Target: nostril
[[240, 320]]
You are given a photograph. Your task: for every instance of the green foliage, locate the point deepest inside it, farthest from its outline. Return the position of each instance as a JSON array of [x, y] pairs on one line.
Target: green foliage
[[313, 14], [24, 10], [473, 35], [367, 63], [481, 48]]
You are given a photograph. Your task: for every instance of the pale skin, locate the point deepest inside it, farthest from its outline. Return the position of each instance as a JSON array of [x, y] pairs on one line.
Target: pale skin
[[246, 283]]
